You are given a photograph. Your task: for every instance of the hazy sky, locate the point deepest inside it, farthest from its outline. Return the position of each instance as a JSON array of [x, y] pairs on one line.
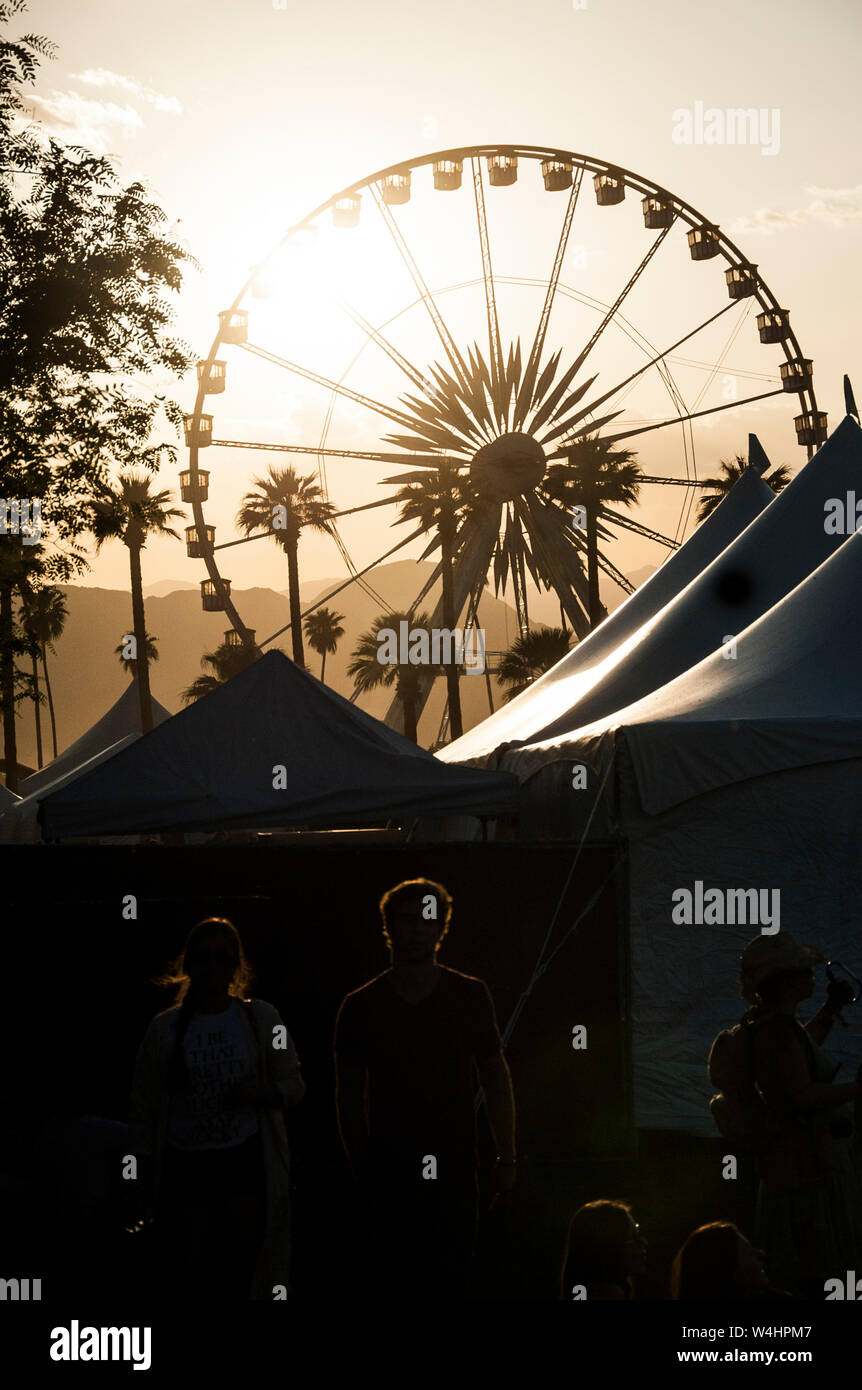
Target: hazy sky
[[243, 116]]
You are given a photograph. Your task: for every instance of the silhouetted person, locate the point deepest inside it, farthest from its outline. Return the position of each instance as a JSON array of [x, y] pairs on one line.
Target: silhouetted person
[[717, 1262], [809, 1208], [604, 1252], [405, 1048], [211, 1078]]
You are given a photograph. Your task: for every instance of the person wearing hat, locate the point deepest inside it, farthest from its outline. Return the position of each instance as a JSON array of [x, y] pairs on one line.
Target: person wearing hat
[[809, 1206]]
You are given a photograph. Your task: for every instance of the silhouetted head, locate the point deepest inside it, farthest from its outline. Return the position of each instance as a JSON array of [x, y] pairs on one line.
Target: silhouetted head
[[212, 964], [790, 987], [777, 970], [415, 916], [604, 1246], [717, 1262], [211, 967]]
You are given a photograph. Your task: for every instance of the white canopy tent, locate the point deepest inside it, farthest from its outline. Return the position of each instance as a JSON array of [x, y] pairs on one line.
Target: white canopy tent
[[122, 719], [19, 823], [757, 566], [743, 773], [554, 693], [273, 747]]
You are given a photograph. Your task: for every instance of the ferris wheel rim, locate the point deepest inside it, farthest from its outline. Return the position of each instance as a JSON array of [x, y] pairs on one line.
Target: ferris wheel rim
[[684, 211]]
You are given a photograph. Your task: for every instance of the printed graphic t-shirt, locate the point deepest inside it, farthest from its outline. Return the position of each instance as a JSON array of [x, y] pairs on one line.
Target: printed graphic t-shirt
[[217, 1057], [420, 1065]]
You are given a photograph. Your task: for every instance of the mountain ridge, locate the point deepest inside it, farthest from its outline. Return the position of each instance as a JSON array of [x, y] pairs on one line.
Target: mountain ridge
[[86, 676]]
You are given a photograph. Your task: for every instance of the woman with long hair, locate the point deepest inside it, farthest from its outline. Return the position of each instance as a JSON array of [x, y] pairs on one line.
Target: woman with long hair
[[212, 1076], [604, 1252], [717, 1262]]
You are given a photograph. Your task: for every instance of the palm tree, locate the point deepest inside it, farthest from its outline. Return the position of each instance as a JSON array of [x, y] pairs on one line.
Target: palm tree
[[322, 628], [530, 655], [45, 618], [19, 565], [731, 472], [436, 500], [33, 651], [224, 663], [132, 513], [129, 663], [283, 506], [595, 476], [370, 672]]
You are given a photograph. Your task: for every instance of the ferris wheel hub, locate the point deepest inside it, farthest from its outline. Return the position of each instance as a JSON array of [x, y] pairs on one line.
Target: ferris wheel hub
[[508, 467]]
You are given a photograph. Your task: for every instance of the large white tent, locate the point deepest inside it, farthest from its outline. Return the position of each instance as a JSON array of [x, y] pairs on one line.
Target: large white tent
[[554, 692], [273, 747], [122, 719], [643, 646], [743, 773]]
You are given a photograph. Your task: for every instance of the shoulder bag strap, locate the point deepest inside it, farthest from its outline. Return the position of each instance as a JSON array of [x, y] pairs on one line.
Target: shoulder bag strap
[[263, 1067]]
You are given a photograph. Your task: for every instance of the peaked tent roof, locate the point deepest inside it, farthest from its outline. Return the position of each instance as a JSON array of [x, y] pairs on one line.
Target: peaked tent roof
[[19, 824], [791, 697], [775, 553], [553, 693], [122, 718], [212, 766], [7, 798]]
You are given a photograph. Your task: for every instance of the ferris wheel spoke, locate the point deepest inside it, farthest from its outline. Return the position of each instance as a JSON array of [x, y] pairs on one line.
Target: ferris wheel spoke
[[553, 400], [352, 580], [469, 538], [554, 407], [450, 396], [243, 540], [366, 507], [447, 425], [469, 573], [527, 541], [437, 386], [383, 342], [573, 537], [613, 573], [654, 361], [673, 482], [429, 435], [731, 339], [639, 529], [505, 560], [449, 345], [630, 284], [695, 415], [402, 478], [308, 375], [415, 461], [589, 428], [561, 558], [497, 373], [526, 395]]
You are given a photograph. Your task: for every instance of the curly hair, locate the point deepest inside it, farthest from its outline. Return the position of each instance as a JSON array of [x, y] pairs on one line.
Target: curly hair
[[415, 890]]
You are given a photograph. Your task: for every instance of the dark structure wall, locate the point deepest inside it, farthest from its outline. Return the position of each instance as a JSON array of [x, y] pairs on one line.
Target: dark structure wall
[[310, 923], [79, 991]]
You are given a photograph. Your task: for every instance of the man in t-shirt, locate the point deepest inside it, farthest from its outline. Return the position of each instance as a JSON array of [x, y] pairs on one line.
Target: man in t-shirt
[[406, 1045]]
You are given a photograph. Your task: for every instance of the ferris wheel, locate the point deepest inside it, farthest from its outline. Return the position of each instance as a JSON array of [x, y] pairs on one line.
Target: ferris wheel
[[414, 339]]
